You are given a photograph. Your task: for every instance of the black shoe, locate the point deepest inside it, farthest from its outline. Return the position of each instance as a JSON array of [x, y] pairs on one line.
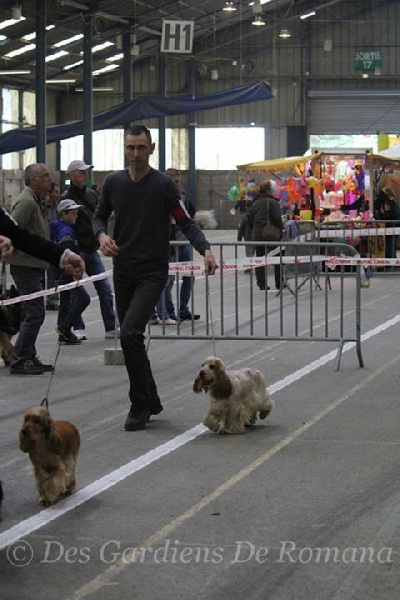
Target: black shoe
[[52, 306], [137, 422], [263, 288], [173, 317], [155, 410], [189, 317], [46, 368], [66, 337], [25, 367]]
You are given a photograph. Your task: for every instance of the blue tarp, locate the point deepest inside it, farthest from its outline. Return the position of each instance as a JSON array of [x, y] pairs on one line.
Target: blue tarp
[[134, 110]]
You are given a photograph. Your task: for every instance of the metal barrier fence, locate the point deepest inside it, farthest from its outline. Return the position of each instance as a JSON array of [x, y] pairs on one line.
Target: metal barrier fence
[[233, 308], [376, 239]]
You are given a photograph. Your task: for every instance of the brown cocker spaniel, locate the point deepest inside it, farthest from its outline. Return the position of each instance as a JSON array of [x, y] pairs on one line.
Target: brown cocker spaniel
[[53, 448], [237, 397]]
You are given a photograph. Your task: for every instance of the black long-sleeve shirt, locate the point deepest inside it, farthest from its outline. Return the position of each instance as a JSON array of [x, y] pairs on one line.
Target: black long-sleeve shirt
[[142, 218], [29, 242]]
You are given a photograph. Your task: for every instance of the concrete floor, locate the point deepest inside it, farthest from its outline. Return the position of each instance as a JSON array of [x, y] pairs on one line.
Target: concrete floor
[[305, 506]]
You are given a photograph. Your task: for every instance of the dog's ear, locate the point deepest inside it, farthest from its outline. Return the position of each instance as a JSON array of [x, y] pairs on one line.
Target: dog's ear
[[222, 387], [55, 441], [198, 385], [23, 443], [48, 427]]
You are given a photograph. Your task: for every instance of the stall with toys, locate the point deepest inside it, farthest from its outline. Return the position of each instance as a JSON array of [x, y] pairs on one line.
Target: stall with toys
[[292, 178], [325, 184]]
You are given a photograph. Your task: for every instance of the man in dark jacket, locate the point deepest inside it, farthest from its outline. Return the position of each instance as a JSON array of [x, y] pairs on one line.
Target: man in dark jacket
[[265, 208], [143, 200], [88, 245]]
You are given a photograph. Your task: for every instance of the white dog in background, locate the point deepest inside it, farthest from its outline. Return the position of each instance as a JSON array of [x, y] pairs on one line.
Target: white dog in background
[[205, 219], [237, 397]]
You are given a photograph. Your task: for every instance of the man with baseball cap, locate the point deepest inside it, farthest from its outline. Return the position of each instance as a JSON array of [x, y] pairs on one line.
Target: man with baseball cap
[[87, 199]]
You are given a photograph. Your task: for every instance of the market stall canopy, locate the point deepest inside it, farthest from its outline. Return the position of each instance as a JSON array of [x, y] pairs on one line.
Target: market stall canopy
[[391, 154], [279, 164]]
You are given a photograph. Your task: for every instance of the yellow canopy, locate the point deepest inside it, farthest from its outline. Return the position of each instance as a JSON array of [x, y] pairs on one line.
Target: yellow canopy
[[279, 164]]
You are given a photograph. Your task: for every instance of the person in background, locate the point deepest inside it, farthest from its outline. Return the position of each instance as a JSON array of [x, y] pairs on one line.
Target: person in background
[[73, 302], [52, 199], [29, 273], [264, 207], [144, 200], [245, 232], [180, 254], [88, 245]]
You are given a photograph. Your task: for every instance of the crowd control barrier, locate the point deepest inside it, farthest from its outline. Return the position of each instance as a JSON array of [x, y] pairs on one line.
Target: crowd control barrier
[[318, 299]]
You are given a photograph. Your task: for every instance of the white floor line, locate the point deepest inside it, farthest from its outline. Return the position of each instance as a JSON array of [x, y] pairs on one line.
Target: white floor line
[[28, 526]]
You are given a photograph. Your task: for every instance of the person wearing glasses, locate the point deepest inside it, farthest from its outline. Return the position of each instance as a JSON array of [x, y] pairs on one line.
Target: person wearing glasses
[[29, 273]]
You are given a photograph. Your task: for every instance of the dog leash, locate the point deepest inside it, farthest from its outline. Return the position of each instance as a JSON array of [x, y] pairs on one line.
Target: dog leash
[[45, 401], [210, 313]]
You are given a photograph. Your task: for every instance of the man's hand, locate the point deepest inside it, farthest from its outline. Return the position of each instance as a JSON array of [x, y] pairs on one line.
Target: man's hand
[[73, 264], [107, 245], [210, 265], [6, 249]]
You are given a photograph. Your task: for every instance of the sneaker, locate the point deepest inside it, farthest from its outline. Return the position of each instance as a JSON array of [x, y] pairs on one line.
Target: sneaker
[[46, 368], [167, 322], [189, 317], [110, 335], [66, 337], [25, 367], [154, 321], [80, 334], [136, 422], [173, 317]]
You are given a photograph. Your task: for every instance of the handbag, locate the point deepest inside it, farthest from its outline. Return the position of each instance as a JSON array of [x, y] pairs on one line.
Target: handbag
[[270, 232], [10, 314]]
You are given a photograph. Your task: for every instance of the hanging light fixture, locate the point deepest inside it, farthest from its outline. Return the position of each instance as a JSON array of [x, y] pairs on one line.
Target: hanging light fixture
[[258, 21], [229, 7], [284, 33]]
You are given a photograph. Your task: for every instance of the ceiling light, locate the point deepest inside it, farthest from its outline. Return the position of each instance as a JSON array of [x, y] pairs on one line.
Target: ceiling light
[[74, 4], [9, 22], [55, 56], [69, 40], [19, 51], [119, 56], [101, 46], [284, 33], [258, 21], [60, 80], [15, 72], [98, 89], [306, 15], [105, 69], [73, 65], [229, 7], [31, 36]]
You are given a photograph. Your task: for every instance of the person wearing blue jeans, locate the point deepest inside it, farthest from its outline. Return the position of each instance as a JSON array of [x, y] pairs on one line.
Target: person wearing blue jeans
[[77, 170], [72, 302]]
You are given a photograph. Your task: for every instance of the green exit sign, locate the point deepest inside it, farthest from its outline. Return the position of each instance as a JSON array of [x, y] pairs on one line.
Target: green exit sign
[[368, 60]]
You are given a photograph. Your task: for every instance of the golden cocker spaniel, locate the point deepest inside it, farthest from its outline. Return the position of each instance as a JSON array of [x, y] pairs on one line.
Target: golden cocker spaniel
[[53, 448], [237, 397]]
